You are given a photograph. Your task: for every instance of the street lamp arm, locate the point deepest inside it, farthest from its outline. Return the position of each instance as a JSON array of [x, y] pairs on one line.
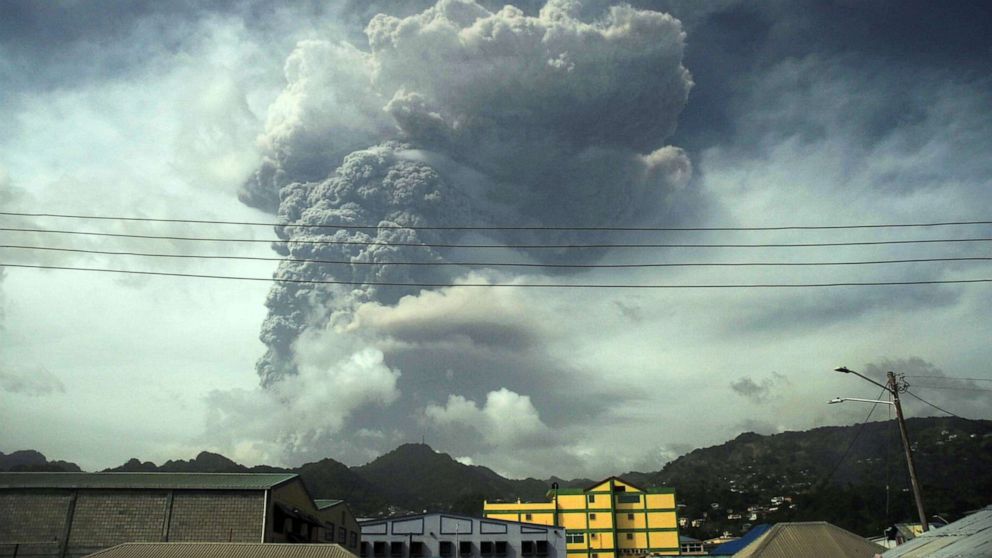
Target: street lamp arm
[[847, 370], [843, 399]]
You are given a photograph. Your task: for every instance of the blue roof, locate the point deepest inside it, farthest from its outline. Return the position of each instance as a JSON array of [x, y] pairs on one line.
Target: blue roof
[[733, 547]]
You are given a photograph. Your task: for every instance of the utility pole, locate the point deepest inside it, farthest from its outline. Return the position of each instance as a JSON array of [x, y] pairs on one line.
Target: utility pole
[[894, 388]]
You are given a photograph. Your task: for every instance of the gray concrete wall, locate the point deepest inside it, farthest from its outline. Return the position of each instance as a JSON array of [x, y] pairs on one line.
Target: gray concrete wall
[[33, 521]]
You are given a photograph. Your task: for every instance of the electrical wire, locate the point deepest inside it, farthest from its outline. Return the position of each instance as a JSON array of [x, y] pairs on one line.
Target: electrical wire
[[934, 406], [500, 228], [950, 388], [520, 285], [492, 264], [516, 246], [857, 434], [952, 378]]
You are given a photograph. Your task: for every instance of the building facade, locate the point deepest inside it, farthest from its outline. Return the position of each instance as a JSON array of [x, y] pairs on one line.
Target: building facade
[[74, 514], [438, 535], [610, 519]]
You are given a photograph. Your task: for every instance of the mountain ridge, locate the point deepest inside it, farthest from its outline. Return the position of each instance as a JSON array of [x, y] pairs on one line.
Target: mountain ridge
[[833, 473]]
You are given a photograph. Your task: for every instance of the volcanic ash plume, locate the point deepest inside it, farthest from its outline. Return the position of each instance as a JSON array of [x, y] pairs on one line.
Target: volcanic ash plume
[[461, 116]]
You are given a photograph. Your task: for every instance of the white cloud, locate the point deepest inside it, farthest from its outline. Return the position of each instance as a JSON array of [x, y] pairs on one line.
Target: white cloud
[[294, 418], [506, 419]]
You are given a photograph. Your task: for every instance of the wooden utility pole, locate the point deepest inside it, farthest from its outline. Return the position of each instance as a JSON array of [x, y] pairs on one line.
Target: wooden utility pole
[[893, 388]]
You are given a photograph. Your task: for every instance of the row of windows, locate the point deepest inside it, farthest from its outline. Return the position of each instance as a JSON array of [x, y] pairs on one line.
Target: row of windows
[[396, 549], [592, 516], [298, 529], [572, 538]]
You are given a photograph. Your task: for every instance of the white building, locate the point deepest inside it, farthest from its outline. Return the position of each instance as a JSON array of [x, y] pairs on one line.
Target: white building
[[441, 535]]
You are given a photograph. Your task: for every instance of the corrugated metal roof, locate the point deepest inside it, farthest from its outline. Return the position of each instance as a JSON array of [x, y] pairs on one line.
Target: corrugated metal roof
[[190, 481], [324, 504], [968, 537], [817, 539], [223, 550], [733, 547]]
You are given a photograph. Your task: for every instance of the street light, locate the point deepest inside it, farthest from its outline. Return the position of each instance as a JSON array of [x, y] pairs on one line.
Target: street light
[[893, 387], [843, 399]]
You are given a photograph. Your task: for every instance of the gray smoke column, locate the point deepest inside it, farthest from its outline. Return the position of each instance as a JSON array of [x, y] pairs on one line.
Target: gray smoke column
[[459, 116]]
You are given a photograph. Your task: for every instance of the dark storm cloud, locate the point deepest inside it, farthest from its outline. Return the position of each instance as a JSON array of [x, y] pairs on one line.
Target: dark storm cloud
[[949, 391], [733, 43], [760, 391]]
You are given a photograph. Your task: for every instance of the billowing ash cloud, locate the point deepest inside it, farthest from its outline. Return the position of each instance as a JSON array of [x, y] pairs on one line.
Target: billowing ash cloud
[[458, 115]]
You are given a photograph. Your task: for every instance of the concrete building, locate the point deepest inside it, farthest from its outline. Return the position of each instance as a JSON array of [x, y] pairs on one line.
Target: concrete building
[[74, 514], [438, 535], [609, 519]]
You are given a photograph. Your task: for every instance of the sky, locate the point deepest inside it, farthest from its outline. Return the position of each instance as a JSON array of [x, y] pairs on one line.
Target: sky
[[408, 117]]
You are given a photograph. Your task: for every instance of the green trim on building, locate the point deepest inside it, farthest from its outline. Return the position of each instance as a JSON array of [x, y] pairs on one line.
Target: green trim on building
[[612, 530], [604, 550], [586, 510]]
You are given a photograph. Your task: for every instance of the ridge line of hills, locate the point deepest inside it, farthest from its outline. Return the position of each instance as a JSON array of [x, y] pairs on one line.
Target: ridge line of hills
[[713, 484]]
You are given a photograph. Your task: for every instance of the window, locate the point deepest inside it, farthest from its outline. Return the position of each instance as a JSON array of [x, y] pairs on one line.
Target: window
[[592, 517], [465, 548], [593, 536], [354, 540], [342, 535], [396, 548], [592, 498], [542, 548], [486, 548], [527, 548], [500, 548], [630, 516], [630, 536], [365, 549], [528, 517], [571, 538], [447, 548], [379, 548], [417, 549], [594, 555], [628, 498], [619, 488]]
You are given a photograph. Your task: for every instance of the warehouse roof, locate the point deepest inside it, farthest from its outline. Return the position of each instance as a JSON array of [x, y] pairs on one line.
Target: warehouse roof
[[324, 504], [814, 538], [189, 481], [223, 550], [965, 538]]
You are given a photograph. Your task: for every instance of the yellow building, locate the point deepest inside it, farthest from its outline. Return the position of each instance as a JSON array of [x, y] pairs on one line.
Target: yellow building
[[611, 519]]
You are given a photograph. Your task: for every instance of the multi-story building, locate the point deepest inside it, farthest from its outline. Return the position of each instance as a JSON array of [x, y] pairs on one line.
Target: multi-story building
[[67, 515], [443, 535], [610, 519]]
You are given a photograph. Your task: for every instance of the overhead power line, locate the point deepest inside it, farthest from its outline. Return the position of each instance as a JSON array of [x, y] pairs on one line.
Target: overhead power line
[[850, 445], [952, 378], [492, 264], [513, 285], [489, 228], [950, 388], [941, 409], [516, 246]]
